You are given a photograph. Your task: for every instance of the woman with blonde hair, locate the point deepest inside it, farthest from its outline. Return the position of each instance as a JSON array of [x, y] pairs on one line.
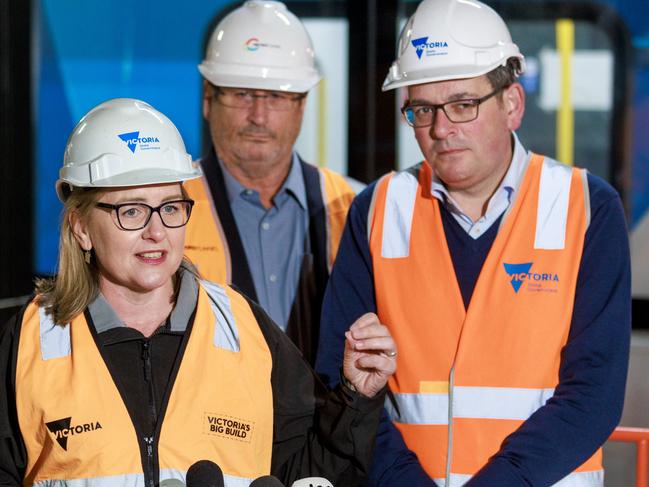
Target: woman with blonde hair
[[126, 368]]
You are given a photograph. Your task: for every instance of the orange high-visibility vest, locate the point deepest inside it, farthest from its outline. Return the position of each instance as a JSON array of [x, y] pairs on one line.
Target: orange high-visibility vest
[[206, 244], [76, 426], [467, 378]]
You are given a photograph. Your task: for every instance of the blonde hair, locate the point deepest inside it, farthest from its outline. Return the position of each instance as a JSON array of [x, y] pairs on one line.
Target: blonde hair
[[76, 284]]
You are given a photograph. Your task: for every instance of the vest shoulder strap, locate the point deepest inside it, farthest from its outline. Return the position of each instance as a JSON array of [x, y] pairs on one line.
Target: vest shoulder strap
[[554, 203], [226, 333], [401, 192], [55, 339]]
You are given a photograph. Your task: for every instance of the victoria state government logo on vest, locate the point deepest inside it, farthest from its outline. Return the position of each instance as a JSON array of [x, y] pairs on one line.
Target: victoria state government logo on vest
[[228, 427], [62, 429], [520, 274]]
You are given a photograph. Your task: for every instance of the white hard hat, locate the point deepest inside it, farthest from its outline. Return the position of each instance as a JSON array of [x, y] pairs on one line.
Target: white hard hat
[[124, 142], [261, 45], [451, 39]]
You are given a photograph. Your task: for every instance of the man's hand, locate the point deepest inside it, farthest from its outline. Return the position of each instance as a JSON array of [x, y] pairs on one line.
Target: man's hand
[[370, 355]]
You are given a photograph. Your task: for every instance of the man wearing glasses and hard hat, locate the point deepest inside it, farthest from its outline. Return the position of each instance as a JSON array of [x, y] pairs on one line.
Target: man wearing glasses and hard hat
[[502, 274], [265, 220]]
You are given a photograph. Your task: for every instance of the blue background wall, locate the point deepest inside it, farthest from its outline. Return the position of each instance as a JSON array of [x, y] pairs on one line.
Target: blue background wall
[[90, 51]]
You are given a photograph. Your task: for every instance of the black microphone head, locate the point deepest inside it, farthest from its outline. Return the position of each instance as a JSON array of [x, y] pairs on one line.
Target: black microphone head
[[204, 473], [266, 481]]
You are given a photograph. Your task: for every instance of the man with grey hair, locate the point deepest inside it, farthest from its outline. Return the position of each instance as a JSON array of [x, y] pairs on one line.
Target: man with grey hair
[[265, 220]]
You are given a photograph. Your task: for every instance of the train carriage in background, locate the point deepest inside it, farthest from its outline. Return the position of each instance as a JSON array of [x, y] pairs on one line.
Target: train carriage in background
[[587, 85]]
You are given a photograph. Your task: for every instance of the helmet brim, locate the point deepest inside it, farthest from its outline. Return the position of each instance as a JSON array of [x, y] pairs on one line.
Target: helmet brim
[[259, 78], [142, 177]]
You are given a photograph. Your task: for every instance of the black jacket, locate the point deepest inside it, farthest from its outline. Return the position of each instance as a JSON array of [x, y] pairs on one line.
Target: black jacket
[[316, 432]]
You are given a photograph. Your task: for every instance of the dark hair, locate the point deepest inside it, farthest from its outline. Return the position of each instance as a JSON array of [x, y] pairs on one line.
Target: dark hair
[[503, 76]]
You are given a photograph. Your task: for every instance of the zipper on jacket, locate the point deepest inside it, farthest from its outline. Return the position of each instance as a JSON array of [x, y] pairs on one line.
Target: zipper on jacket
[[149, 440], [148, 377]]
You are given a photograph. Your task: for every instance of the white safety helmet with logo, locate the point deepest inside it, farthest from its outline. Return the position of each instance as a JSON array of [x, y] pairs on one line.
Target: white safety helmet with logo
[[451, 39], [124, 142], [261, 45]]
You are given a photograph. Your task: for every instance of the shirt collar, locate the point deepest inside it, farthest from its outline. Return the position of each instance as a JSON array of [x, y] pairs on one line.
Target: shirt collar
[[104, 317], [514, 176], [294, 183], [511, 182]]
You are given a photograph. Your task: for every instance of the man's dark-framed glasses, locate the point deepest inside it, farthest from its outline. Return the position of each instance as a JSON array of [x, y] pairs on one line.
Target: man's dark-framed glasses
[[245, 98], [457, 111], [135, 216]]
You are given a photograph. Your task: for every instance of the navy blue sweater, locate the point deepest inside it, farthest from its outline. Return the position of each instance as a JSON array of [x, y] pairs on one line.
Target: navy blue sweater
[[588, 400]]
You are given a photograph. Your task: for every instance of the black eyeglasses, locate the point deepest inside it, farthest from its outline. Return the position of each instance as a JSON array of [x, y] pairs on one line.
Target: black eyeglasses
[[135, 216], [457, 111], [242, 98]]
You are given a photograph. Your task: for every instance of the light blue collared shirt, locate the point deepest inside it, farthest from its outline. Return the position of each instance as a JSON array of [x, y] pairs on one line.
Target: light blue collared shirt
[[273, 238], [499, 201]]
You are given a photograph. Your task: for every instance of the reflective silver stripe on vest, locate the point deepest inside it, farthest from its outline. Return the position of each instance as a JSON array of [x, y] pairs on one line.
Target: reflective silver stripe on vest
[[582, 479], [551, 217], [552, 210], [55, 339], [226, 335], [469, 402], [231, 481], [399, 210], [498, 402], [584, 182], [127, 480], [419, 408], [575, 479], [228, 480], [456, 480]]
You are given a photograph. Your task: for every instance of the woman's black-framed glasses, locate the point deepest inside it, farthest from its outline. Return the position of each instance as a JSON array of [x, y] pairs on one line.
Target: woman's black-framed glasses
[[135, 216], [457, 111]]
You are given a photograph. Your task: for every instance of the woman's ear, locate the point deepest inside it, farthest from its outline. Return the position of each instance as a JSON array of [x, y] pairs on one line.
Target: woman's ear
[[80, 230]]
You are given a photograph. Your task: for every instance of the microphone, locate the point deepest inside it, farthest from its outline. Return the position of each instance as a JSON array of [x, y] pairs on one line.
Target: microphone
[[266, 481], [204, 473], [312, 482], [172, 483]]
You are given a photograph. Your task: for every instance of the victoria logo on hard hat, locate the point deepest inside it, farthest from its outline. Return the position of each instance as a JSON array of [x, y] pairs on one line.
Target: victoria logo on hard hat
[[536, 281], [133, 140], [431, 48]]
